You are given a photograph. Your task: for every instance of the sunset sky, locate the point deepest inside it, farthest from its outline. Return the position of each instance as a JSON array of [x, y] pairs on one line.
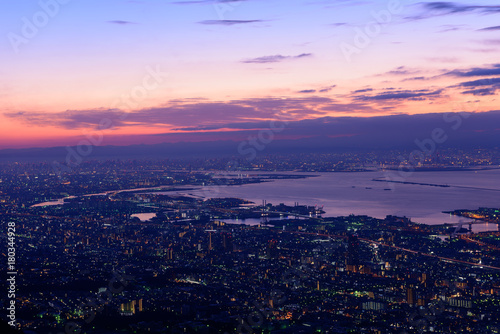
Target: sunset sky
[[160, 71]]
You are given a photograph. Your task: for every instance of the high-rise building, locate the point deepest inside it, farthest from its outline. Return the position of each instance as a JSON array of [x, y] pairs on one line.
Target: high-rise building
[[209, 241], [410, 296], [272, 249], [227, 242], [170, 254], [352, 256]]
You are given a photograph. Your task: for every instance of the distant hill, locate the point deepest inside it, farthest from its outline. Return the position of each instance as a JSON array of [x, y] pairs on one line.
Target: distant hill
[[328, 134]]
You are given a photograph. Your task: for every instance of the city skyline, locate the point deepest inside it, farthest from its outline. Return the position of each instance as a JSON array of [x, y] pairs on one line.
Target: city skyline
[[170, 246], [250, 166]]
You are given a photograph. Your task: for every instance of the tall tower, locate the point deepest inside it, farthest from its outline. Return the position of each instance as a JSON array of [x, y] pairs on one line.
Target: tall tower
[[352, 256], [227, 242], [210, 241], [210, 247], [272, 249], [410, 295]]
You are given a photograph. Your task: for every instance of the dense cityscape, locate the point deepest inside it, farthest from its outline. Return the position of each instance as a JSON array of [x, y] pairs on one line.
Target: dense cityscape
[[250, 167], [124, 247]]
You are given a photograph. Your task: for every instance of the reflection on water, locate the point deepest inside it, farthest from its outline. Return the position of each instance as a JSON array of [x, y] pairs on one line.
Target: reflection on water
[[257, 221], [57, 202], [343, 194], [248, 221], [144, 216]]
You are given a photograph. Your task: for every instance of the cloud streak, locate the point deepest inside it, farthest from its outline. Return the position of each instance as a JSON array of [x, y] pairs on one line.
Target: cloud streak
[[274, 59], [441, 8], [490, 28], [477, 71], [186, 113], [481, 87], [119, 22], [415, 95], [229, 22]]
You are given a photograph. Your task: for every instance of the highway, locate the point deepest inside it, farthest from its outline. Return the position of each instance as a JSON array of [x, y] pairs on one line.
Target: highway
[[442, 258]]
